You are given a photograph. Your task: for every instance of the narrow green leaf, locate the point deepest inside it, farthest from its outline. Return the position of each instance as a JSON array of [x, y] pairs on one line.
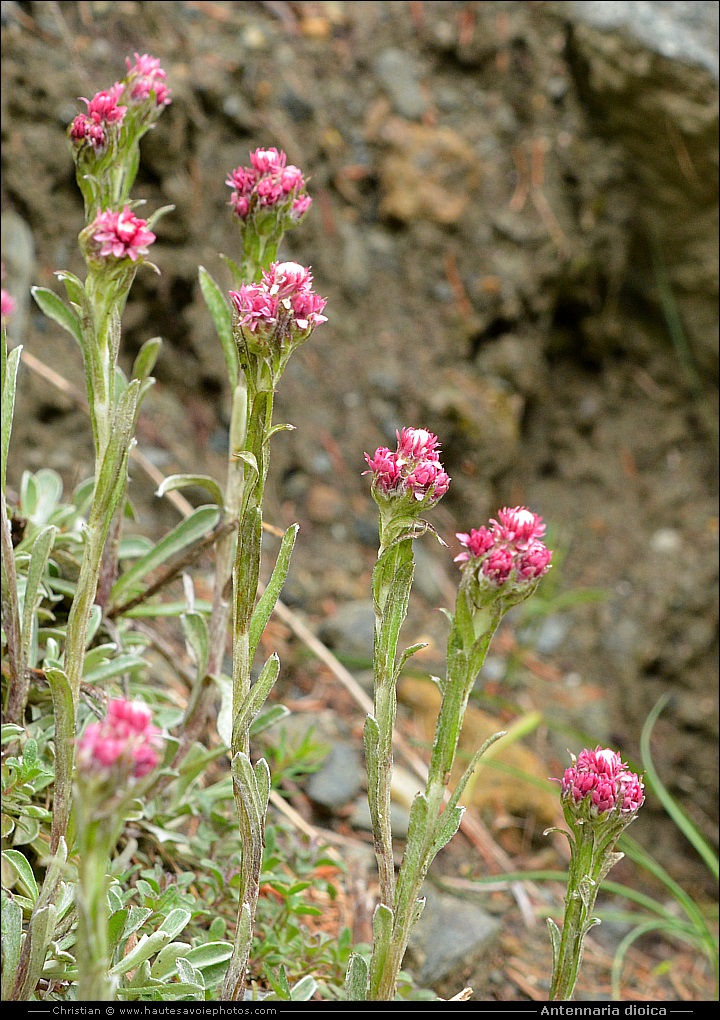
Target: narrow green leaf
[[165, 963], [256, 698], [267, 601], [460, 788], [10, 731], [356, 979], [158, 214], [112, 668], [262, 778], [146, 357], [191, 977], [23, 871], [225, 715], [64, 712], [148, 945], [8, 384], [681, 820], [222, 317], [304, 989], [40, 932], [38, 562], [246, 784], [55, 308], [136, 919], [130, 168], [197, 639], [12, 936], [116, 924], [268, 717], [73, 286], [193, 528], [247, 565], [182, 481], [382, 924], [448, 824], [209, 954]]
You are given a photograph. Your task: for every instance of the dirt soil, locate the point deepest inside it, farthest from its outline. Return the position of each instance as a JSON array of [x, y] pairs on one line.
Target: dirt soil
[[476, 236]]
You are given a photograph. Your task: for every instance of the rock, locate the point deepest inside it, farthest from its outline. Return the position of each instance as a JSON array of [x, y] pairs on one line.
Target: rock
[[430, 173], [400, 75], [449, 938], [339, 779], [649, 72], [351, 631], [360, 818], [678, 30]]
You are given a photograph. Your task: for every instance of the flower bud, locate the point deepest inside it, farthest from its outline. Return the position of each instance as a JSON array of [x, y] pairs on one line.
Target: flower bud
[[413, 470], [598, 782]]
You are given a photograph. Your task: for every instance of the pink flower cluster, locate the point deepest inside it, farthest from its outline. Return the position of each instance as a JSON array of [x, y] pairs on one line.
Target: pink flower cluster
[[604, 777], [268, 182], [146, 76], [509, 548], [126, 740], [121, 235], [282, 306], [414, 467], [103, 111]]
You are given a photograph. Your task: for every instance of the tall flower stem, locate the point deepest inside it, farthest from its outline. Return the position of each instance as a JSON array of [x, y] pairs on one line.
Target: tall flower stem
[[601, 797], [272, 317], [431, 827], [392, 581]]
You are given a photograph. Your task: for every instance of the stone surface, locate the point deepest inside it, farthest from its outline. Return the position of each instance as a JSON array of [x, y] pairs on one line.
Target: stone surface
[[398, 71], [450, 936], [351, 630], [650, 74], [674, 28], [339, 779]]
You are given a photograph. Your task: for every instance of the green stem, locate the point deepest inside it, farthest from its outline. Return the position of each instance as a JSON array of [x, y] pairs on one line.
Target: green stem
[[467, 647], [93, 951], [246, 574], [18, 688], [583, 885]]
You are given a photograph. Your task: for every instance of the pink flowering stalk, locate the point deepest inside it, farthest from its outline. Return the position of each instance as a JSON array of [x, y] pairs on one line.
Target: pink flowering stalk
[[502, 564], [279, 313], [104, 140], [120, 235], [506, 560], [405, 482], [272, 309], [104, 143], [267, 198], [114, 760], [601, 796]]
